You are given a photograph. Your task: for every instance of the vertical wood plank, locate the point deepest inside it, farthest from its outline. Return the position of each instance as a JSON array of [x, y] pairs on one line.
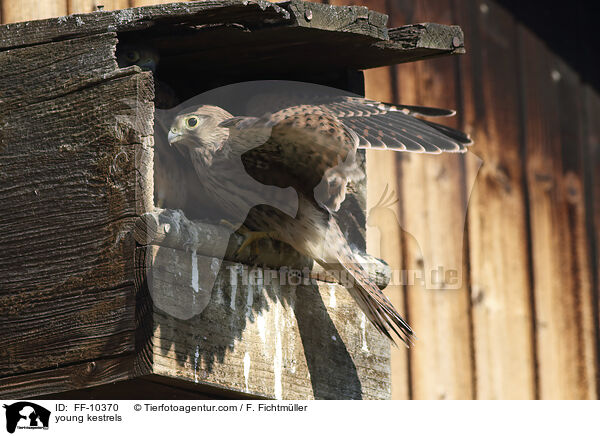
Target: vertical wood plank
[[384, 234], [25, 10], [498, 228], [562, 280], [433, 215], [383, 231], [85, 6], [592, 153]]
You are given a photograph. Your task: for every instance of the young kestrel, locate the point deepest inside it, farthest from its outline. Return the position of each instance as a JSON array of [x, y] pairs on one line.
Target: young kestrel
[[246, 163]]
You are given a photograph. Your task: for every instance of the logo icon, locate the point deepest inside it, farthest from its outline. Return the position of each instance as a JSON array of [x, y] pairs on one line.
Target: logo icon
[[26, 415]]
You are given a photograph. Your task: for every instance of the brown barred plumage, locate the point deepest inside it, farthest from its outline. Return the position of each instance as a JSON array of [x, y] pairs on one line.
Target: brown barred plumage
[[249, 164]]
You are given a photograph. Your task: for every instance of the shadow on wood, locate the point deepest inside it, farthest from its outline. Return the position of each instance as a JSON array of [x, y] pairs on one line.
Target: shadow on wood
[[264, 332]]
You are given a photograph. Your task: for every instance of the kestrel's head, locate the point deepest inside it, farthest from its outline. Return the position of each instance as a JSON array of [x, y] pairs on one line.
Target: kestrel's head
[[141, 55], [199, 130]]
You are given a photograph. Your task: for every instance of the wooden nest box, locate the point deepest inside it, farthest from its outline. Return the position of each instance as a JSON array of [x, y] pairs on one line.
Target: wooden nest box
[[88, 263]]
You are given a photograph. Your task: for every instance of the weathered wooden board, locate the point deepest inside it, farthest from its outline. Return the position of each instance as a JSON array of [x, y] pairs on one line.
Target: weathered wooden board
[[504, 347], [260, 334], [69, 377], [24, 10], [141, 388], [86, 6], [198, 13], [383, 232], [566, 343], [592, 153], [432, 218], [187, 287], [36, 74], [354, 34], [74, 131]]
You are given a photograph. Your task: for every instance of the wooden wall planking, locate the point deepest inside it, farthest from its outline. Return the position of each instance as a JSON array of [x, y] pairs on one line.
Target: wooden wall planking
[[433, 214], [136, 3], [564, 307], [84, 6], [384, 234], [80, 301], [592, 144], [505, 350], [12, 11], [24, 10], [498, 229]]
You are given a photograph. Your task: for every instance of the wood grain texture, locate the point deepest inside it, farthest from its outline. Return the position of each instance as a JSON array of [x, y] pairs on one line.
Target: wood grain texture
[[498, 228], [592, 153], [32, 75], [198, 13], [86, 6], [383, 232], [433, 214], [566, 340], [67, 170], [212, 26], [261, 334], [25, 10], [141, 388], [383, 170], [70, 377], [384, 235]]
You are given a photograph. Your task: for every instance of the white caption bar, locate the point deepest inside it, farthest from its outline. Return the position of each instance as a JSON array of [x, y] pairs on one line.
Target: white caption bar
[[23, 417]]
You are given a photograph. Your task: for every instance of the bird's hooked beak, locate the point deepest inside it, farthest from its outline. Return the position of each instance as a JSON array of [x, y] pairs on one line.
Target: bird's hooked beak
[[174, 136]]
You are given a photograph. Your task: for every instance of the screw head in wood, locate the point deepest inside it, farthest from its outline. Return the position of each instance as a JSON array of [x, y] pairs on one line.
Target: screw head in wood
[[308, 14], [456, 41]]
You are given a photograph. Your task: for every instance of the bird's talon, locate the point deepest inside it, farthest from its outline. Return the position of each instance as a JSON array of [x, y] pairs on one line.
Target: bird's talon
[[249, 238]]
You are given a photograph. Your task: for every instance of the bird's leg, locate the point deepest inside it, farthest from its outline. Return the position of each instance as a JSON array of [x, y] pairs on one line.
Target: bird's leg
[[249, 238], [249, 235]]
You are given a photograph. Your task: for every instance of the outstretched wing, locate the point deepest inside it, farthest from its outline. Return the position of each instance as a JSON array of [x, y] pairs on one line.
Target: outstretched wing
[[378, 125], [395, 127]]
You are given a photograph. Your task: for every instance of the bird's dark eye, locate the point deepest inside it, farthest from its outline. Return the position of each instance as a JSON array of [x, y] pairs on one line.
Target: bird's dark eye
[[132, 56], [191, 122]]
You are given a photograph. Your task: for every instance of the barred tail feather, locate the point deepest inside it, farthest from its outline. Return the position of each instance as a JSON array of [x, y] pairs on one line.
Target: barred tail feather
[[363, 289]]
